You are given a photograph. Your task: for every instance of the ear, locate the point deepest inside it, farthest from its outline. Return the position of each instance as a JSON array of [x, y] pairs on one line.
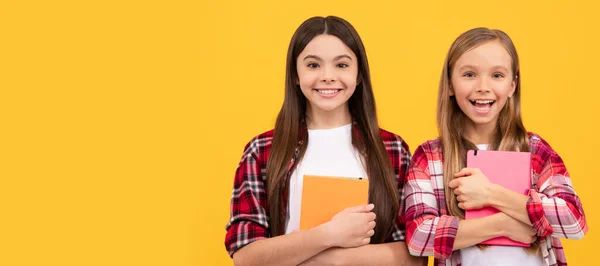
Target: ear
[[451, 90], [513, 87], [358, 79]]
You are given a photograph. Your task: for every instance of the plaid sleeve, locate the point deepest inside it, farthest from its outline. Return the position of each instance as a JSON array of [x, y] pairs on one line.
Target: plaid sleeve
[[428, 233], [554, 208], [399, 154], [248, 221]]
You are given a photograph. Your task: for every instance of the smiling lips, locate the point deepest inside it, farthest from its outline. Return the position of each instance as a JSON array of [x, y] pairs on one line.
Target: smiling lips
[[482, 106], [328, 92]]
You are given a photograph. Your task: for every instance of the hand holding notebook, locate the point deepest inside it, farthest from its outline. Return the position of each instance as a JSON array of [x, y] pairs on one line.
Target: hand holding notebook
[[323, 197], [508, 169], [340, 204]]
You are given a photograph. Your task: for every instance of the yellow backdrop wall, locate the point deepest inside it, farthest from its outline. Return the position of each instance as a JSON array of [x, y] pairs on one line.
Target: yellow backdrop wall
[[122, 122]]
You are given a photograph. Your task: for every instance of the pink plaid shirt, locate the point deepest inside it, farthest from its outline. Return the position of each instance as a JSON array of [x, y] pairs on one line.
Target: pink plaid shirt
[[553, 207]]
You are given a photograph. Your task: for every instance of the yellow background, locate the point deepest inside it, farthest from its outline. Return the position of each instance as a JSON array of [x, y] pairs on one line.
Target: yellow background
[[122, 122]]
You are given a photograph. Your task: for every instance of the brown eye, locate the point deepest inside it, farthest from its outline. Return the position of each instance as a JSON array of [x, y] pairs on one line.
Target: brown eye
[[469, 75], [313, 65]]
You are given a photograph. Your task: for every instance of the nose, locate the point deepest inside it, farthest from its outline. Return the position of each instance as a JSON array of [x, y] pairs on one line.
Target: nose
[[484, 85], [328, 75]]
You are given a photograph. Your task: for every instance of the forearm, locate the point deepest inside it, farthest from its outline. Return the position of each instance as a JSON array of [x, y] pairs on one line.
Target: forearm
[[291, 249], [475, 231], [394, 253], [509, 202]]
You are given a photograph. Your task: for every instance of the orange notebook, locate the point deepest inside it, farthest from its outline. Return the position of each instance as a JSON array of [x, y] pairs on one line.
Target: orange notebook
[[325, 196]]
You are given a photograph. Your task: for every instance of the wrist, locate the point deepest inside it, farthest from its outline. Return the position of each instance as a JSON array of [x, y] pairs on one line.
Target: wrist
[[493, 191], [336, 257], [500, 219], [323, 236]]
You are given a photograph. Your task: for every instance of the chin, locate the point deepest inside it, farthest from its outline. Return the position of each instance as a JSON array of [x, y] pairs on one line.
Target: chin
[[328, 108], [481, 120]]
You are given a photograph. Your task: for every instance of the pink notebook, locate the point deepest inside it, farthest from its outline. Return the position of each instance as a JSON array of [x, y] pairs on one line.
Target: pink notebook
[[511, 170]]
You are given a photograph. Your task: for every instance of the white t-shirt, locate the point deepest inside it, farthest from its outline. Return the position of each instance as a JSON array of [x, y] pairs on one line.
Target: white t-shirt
[[498, 255], [329, 153]]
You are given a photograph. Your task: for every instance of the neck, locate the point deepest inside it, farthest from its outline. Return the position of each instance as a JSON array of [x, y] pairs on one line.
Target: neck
[[321, 119], [480, 133]]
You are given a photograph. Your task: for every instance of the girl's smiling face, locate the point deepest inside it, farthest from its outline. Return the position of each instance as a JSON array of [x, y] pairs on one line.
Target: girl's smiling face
[[482, 81], [327, 74]]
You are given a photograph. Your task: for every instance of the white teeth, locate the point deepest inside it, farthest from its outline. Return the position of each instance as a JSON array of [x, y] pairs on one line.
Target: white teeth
[[484, 101], [327, 91]]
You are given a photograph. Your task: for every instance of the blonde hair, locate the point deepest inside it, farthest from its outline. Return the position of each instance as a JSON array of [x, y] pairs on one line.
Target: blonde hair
[[510, 134]]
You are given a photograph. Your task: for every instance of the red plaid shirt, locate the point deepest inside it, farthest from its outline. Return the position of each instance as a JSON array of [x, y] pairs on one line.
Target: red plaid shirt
[[249, 220], [554, 208]]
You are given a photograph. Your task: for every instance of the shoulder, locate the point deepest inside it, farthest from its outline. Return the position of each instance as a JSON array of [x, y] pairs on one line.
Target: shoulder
[[431, 148], [259, 146], [393, 141], [539, 146], [542, 154], [427, 154]]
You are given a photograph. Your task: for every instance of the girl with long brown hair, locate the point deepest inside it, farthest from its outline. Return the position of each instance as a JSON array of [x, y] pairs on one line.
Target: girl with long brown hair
[[327, 126], [479, 107]]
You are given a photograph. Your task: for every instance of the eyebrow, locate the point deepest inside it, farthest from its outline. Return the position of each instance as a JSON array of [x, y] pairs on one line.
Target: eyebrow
[[494, 67], [320, 59]]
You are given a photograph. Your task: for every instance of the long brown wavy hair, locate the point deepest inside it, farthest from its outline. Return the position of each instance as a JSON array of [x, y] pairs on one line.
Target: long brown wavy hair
[[510, 133], [290, 130]]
